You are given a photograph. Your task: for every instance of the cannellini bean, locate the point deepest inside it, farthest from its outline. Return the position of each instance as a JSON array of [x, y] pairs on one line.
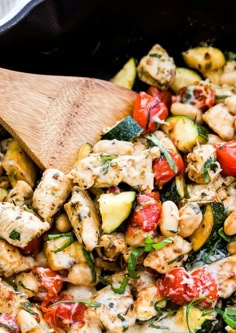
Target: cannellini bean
[[169, 221], [228, 78], [188, 110], [230, 224], [62, 223], [190, 216], [27, 283], [230, 102], [80, 274], [231, 247], [28, 323]]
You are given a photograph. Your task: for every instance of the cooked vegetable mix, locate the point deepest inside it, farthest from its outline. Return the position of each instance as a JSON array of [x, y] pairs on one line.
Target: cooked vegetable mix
[[140, 236]]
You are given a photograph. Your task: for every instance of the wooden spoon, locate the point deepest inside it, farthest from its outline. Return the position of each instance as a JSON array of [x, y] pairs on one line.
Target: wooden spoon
[[52, 116]]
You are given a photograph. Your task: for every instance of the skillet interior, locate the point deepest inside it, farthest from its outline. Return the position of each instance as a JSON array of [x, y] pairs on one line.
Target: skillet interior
[[94, 38]]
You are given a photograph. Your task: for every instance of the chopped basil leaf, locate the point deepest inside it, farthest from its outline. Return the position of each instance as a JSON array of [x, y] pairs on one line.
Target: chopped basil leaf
[[229, 316], [195, 303], [149, 244], [210, 164], [70, 235], [21, 284], [118, 290], [155, 55], [88, 303], [124, 322], [176, 259], [229, 55], [28, 307], [132, 262], [158, 308], [15, 235], [11, 328], [164, 151], [106, 158], [227, 238], [221, 96], [89, 260]]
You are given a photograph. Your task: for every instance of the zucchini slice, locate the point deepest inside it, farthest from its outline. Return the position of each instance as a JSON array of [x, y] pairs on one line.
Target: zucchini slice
[[174, 190], [115, 208], [183, 78], [207, 232], [184, 132], [124, 130], [126, 76]]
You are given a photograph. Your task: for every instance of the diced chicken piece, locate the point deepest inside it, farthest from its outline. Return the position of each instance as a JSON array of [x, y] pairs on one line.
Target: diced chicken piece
[[59, 258], [212, 191], [116, 311], [230, 103], [18, 226], [230, 200], [51, 193], [135, 236], [12, 261], [115, 147], [28, 323], [27, 283], [80, 274], [111, 246], [146, 299], [88, 327], [102, 170], [166, 141], [140, 144], [83, 218], [10, 301], [157, 68], [202, 166], [224, 271], [220, 120], [79, 292], [21, 194], [171, 256]]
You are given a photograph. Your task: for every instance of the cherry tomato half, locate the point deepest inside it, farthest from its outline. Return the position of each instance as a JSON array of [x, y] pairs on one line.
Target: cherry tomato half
[[49, 280], [33, 247], [163, 173], [206, 286], [200, 95], [9, 323], [148, 110], [147, 213], [63, 314], [164, 95], [226, 156]]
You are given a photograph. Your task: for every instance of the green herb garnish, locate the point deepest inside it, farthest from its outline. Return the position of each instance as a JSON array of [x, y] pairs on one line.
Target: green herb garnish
[[28, 307], [90, 263], [70, 235], [227, 238], [132, 262], [88, 303], [164, 151], [106, 158], [124, 322], [150, 245], [21, 284], [118, 290], [210, 164], [15, 235]]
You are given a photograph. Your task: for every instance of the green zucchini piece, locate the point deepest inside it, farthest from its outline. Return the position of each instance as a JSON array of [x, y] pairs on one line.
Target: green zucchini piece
[[184, 132], [174, 190], [183, 78], [127, 75], [124, 130], [207, 233], [115, 209]]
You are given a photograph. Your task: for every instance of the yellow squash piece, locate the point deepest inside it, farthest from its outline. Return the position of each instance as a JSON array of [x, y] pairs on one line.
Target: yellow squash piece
[[126, 76], [183, 78]]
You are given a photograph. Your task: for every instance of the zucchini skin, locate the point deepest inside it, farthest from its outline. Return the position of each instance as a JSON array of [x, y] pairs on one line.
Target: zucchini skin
[[170, 192]]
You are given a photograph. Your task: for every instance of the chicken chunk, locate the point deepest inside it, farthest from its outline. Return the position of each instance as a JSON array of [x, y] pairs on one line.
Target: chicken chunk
[[21, 194], [84, 218], [51, 193], [12, 261], [102, 170], [111, 246], [18, 226], [113, 147], [202, 166], [157, 68], [220, 120], [170, 256]]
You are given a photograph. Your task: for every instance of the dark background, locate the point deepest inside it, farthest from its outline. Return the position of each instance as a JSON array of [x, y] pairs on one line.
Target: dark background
[[95, 37]]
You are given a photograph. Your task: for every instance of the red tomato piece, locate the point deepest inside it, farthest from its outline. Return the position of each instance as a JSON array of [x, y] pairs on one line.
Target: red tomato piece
[[164, 95], [33, 247], [147, 213], [200, 95], [206, 286], [178, 286], [226, 156], [49, 280], [62, 315], [9, 323], [148, 110], [163, 173]]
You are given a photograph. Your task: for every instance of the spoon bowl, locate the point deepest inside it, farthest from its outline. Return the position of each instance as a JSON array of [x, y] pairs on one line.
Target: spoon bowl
[[52, 116]]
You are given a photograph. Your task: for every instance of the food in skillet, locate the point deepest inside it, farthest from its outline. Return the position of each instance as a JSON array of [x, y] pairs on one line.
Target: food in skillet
[[140, 236]]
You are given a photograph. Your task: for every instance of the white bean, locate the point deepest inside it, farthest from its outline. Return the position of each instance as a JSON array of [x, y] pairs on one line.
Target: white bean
[[169, 221], [191, 111], [63, 223], [190, 216], [231, 247], [230, 224]]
